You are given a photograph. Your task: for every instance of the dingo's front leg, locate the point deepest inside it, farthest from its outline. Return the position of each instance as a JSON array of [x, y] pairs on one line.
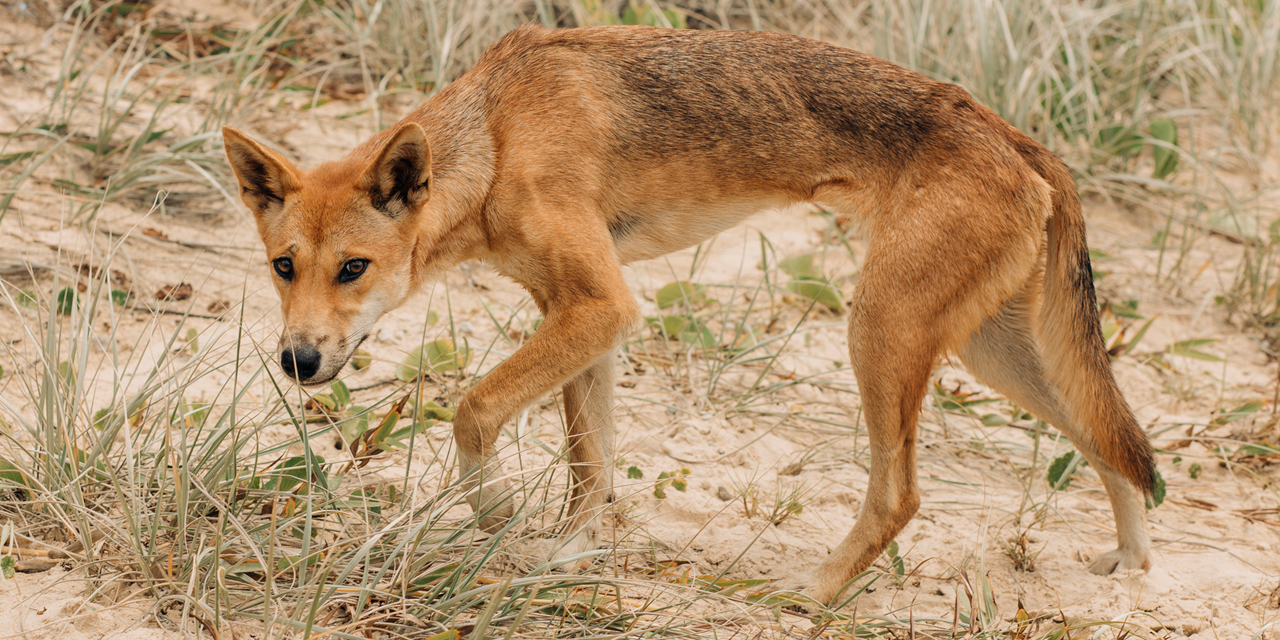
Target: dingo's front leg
[[588, 308]]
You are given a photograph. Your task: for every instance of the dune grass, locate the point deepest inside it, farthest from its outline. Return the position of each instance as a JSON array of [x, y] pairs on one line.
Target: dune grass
[[196, 479]]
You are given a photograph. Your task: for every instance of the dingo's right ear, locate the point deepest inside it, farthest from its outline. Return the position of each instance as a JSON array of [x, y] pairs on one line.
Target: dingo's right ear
[[399, 179], [265, 176]]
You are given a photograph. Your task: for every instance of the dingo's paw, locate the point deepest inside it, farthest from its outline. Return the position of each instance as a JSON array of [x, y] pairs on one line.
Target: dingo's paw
[[565, 553], [1119, 560], [496, 518], [569, 554], [796, 592]]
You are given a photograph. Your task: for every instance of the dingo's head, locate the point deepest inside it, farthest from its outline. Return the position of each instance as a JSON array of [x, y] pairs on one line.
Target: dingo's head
[[340, 241]]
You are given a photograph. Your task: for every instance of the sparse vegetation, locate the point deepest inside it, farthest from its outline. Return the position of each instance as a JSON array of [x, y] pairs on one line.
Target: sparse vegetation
[[147, 444]]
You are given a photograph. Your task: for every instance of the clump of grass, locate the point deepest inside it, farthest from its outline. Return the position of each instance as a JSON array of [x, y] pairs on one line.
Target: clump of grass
[[218, 513], [173, 475]]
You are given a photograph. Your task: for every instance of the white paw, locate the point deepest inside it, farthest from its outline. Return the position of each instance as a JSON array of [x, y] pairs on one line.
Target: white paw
[[1119, 560], [796, 591], [496, 517], [568, 554]]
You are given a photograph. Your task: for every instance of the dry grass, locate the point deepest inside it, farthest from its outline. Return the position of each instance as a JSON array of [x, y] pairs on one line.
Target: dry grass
[[222, 502]]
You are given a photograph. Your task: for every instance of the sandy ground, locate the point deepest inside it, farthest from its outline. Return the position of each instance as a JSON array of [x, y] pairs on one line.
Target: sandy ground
[[1216, 571]]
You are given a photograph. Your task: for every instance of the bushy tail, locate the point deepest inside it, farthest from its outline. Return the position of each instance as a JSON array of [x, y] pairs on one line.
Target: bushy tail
[[1075, 354]]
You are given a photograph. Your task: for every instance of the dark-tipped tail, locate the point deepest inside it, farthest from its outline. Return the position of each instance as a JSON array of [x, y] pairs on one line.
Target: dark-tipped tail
[[1071, 334]]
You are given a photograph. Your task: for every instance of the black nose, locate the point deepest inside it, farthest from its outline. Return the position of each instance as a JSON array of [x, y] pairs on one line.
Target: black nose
[[300, 363]]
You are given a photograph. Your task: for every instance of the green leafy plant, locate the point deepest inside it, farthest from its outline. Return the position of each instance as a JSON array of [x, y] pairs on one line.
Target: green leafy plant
[[361, 359], [437, 356], [896, 564], [681, 292], [673, 479], [685, 329], [1062, 468], [1165, 155], [336, 399], [808, 281], [66, 301], [1191, 349]]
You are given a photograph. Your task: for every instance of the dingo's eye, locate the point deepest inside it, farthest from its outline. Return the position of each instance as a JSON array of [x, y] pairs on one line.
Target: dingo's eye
[[353, 269], [284, 267]]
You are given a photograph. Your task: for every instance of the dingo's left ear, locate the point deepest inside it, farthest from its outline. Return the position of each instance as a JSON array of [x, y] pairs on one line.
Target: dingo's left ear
[[265, 176], [398, 180]]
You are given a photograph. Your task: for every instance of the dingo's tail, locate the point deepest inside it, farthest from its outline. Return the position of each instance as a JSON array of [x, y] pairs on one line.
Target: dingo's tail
[[1071, 335]]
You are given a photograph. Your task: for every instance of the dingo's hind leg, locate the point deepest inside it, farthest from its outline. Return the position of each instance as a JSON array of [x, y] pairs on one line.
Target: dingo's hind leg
[[945, 252], [1004, 355], [588, 407]]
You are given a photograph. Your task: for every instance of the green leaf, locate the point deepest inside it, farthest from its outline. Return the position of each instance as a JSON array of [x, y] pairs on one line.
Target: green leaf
[[1137, 337], [67, 373], [670, 326], [1166, 159], [361, 359], [1195, 470], [429, 410], [681, 292], [699, 335], [1157, 490], [1127, 309], [293, 472], [434, 574], [820, 291], [1237, 413], [802, 267], [433, 317], [27, 299], [335, 399], [399, 438], [10, 158], [1061, 469], [154, 135], [1255, 450], [10, 472], [290, 474], [341, 394], [366, 498], [119, 297], [641, 14], [686, 329], [635, 473], [355, 427], [1190, 349], [66, 301], [8, 566], [438, 356], [1120, 140], [994, 420], [100, 418]]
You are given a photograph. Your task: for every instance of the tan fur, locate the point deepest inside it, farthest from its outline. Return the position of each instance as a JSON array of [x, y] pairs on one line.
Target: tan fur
[[565, 154]]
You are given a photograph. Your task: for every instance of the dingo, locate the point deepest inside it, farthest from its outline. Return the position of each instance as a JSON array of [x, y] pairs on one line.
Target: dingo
[[567, 153]]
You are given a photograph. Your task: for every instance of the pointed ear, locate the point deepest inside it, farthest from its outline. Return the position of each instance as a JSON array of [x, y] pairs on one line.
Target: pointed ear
[[265, 176], [399, 178]]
